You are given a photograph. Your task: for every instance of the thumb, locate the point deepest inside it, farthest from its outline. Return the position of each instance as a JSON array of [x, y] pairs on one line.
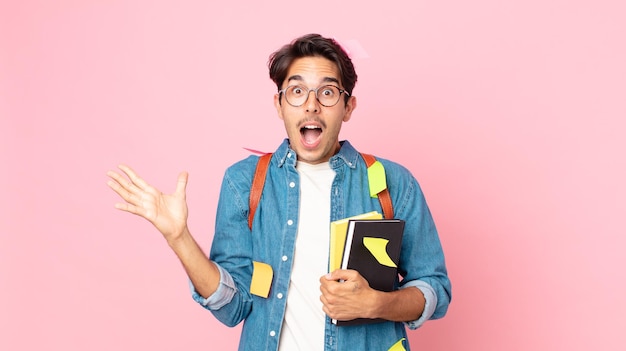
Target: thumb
[[337, 274], [181, 185]]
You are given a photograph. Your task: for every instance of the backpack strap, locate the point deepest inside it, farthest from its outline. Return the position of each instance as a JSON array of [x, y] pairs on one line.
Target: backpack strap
[[258, 182], [383, 196]]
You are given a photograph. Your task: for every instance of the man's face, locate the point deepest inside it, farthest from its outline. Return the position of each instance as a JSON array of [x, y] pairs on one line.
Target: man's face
[[313, 129]]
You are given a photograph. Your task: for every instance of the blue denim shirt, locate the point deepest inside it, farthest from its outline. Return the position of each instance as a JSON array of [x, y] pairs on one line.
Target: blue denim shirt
[[272, 241]]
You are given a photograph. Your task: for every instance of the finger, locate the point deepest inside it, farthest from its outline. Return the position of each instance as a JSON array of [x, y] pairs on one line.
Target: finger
[[120, 186], [327, 276], [340, 274], [135, 179], [124, 187], [181, 185], [136, 210], [120, 180], [117, 183]]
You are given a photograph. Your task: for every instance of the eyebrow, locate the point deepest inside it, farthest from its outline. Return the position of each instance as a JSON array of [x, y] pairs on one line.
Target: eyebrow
[[299, 78]]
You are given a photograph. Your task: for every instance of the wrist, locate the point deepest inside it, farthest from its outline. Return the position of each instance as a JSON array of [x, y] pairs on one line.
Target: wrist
[[400, 305], [379, 304], [179, 238]]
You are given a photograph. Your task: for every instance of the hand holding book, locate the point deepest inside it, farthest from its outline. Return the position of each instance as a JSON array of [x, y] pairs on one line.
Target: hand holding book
[[346, 295], [372, 248]]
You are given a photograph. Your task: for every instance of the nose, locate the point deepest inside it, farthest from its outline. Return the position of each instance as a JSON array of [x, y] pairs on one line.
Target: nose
[[312, 105]]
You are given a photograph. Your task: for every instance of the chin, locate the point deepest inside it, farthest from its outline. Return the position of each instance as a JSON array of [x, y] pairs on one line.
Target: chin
[[313, 157]]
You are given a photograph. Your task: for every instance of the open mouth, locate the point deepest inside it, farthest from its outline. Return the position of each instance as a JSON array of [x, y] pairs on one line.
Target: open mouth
[[310, 134]]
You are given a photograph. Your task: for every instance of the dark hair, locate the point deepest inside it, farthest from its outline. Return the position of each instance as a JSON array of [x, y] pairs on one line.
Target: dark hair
[[312, 45]]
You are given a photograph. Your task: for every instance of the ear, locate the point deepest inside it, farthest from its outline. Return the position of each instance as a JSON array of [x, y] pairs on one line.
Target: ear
[[350, 106], [278, 106]]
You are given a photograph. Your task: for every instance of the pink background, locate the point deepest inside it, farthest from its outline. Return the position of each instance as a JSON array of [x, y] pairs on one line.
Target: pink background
[[510, 113]]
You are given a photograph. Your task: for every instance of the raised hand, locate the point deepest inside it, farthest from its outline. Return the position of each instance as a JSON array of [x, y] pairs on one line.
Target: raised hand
[[168, 213]]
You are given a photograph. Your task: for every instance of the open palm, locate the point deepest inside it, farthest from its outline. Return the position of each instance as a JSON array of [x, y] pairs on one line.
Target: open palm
[[167, 212]]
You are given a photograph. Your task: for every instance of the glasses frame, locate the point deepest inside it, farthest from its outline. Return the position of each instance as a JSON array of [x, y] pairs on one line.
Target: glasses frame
[[341, 91]]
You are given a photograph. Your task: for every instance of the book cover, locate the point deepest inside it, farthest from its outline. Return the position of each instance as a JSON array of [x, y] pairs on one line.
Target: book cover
[[338, 231], [373, 249]]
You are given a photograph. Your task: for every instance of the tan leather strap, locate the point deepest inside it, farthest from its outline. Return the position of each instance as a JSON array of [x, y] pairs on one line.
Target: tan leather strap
[[257, 185], [259, 181], [383, 196]]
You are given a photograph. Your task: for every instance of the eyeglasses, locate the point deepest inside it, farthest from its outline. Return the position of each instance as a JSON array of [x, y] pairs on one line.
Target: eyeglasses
[[326, 95]]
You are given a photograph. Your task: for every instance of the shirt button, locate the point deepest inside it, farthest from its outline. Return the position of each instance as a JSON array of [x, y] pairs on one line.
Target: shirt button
[[289, 154], [292, 184], [272, 333], [284, 258], [279, 295], [289, 222]]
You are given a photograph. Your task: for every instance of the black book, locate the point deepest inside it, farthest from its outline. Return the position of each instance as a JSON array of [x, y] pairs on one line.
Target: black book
[[373, 249]]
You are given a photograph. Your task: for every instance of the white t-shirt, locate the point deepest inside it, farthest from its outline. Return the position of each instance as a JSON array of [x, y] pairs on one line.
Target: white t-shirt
[[303, 327]]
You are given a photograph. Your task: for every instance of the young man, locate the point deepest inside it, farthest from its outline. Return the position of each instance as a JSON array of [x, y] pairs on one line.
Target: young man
[[312, 179]]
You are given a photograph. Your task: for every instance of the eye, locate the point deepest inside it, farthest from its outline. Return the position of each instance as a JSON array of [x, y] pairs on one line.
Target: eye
[[296, 90], [328, 91]]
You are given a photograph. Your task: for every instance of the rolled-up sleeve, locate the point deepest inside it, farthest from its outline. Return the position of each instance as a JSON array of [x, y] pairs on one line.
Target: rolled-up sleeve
[[431, 302], [223, 295]]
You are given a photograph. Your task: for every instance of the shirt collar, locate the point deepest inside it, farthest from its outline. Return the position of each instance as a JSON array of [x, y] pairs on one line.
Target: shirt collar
[[347, 155]]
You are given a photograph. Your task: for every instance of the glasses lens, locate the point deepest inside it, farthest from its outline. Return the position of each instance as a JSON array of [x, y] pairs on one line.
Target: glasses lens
[[296, 95], [328, 95]]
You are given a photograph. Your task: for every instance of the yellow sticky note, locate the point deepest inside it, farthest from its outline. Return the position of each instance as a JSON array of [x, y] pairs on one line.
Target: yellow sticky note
[[262, 276], [338, 231], [398, 346], [378, 248], [376, 178]]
